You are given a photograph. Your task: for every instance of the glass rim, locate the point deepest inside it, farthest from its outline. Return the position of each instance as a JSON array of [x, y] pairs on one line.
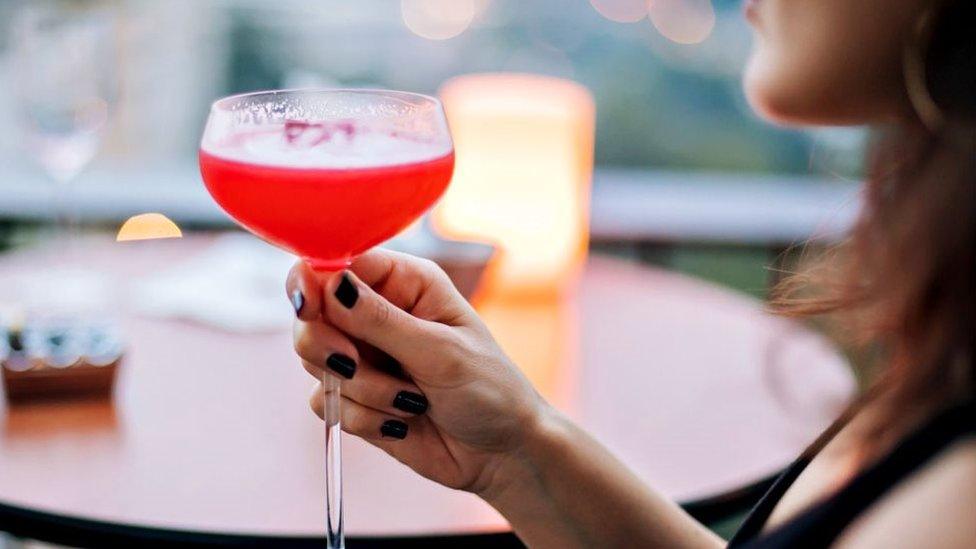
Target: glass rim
[[216, 105]]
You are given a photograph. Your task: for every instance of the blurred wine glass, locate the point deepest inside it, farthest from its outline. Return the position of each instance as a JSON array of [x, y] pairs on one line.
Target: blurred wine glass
[[64, 74], [64, 60]]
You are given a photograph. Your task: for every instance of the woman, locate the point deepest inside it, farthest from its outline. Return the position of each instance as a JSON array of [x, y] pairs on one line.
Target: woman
[[897, 470]]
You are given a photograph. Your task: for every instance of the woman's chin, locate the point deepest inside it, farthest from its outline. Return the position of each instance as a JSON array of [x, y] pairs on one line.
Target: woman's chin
[[762, 92], [774, 96]]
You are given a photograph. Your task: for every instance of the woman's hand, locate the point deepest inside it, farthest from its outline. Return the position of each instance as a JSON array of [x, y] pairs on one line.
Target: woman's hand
[[423, 379], [421, 376]]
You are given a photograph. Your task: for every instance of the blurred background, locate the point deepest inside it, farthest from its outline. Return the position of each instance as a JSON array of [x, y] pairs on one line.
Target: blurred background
[[672, 120]]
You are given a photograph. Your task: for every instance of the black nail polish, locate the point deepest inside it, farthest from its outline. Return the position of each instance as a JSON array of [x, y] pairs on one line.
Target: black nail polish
[[297, 301], [410, 402], [341, 364], [346, 292], [394, 428]]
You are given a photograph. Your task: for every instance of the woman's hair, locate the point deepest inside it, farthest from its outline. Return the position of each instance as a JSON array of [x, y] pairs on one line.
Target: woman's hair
[[900, 286]]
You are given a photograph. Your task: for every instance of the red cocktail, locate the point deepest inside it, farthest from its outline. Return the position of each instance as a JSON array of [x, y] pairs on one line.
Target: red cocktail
[[327, 174], [329, 201]]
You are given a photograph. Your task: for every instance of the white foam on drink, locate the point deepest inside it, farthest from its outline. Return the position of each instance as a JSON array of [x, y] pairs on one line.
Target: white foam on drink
[[309, 148]]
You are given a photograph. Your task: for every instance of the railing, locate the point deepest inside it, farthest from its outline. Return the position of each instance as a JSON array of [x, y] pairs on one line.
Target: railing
[[628, 206]]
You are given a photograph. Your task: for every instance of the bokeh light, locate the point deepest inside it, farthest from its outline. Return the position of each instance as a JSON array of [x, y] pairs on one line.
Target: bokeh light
[[621, 11], [438, 19], [724, 53], [683, 21], [148, 226]]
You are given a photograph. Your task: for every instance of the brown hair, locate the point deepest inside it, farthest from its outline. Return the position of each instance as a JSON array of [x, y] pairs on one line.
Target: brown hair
[[900, 286]]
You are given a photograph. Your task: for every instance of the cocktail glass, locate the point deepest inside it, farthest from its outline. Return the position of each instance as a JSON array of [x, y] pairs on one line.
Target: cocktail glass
[[327, 175]]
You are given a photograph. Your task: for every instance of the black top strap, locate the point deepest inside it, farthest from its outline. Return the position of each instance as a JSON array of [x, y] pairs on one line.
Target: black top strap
[[820, 525]]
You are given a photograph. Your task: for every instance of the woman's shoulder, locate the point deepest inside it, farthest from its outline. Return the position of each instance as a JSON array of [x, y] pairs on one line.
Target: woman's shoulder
[[935, 507]]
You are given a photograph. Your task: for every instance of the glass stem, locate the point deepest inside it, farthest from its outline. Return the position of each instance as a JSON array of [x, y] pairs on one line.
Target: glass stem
[[333, 463]]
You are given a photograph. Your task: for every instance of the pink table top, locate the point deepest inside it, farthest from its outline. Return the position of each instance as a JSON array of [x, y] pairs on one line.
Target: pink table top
[[693, 386]]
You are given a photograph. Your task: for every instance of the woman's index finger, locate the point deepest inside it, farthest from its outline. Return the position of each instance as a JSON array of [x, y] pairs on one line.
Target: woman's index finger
[[304, 290]]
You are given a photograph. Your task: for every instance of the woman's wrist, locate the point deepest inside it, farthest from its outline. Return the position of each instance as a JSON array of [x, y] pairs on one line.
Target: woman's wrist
[[561, 489], [516, 474]]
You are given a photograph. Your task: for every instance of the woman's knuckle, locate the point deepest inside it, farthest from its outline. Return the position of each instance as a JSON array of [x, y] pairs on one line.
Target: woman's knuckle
[[302, 339], [311, 369], [434, 271], [380, 314], [315, 403], [450, 342], [426, 265]]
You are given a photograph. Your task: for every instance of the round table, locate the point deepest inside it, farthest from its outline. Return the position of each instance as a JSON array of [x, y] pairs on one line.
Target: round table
[[209, 438]]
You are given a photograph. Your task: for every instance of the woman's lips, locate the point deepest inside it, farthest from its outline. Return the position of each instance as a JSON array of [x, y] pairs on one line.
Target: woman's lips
[[751, 9]]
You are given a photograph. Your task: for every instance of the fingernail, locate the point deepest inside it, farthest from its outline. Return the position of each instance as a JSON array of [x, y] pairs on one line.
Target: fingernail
[[297, 301], [410, 402], [393, 428], [346, 293], [341, 364]]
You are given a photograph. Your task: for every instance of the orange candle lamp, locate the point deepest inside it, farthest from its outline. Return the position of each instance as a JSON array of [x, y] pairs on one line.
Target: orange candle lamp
[[524, 149]]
